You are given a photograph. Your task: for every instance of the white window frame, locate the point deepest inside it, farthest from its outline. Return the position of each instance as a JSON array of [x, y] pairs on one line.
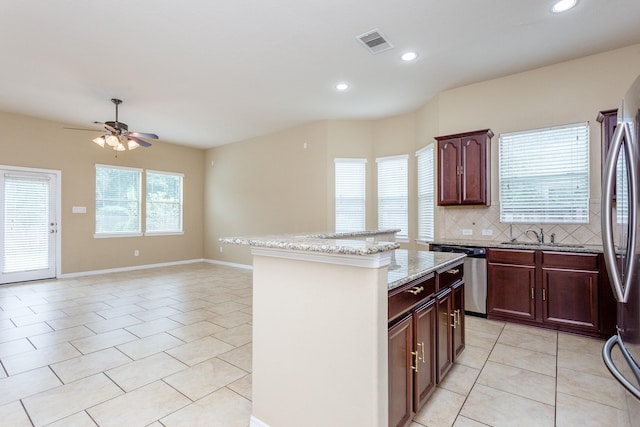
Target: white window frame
[[107, 234], [544, 175], [180, 229], [350, 194], [425, 159], [393, 194]]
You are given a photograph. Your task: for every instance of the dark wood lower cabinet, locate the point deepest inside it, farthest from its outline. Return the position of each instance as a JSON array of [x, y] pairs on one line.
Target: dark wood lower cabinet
[[423, 343], [400, 372], [558, 290], [424, 320], [458, 319], [445, 334]]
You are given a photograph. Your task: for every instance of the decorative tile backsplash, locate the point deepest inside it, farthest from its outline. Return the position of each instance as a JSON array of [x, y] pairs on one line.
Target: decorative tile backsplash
[[454, 220]]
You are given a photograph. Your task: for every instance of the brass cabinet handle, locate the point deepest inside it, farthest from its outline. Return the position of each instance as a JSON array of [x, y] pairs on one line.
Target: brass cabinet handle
[[544, 295], [532, 293], [454, 319], [421, 345], [415, 290], [415, 360], [457, 316], [453, 271]]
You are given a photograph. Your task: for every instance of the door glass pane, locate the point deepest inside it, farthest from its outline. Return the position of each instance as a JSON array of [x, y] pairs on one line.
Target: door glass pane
[[26, 224]]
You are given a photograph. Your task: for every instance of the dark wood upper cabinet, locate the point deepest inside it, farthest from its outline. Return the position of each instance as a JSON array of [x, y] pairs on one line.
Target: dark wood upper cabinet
[[608, 120], [464, 168]]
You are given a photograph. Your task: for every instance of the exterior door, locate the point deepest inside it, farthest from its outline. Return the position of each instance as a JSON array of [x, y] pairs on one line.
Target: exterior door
[[28, 215]]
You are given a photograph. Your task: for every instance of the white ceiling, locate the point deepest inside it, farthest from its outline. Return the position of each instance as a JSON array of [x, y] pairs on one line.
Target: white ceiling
[[208, 72]]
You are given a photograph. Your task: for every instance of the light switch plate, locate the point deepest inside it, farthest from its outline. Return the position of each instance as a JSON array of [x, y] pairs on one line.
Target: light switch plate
[[79, 209], [467, 232]]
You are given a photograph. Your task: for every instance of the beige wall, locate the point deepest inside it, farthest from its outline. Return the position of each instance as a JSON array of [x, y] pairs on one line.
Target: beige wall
[[30, 142], [568, 92], [267, 185]]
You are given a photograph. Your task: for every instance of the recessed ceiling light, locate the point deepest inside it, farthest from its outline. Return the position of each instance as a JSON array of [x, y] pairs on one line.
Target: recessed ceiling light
[[563, 5], [409, 56], [342, 86]]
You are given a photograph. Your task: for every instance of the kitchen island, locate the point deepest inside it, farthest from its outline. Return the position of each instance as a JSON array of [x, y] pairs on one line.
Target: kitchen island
[[320, 327]]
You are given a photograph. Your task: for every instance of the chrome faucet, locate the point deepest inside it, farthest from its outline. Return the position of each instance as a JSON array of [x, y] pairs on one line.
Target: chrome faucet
[[539, 236]]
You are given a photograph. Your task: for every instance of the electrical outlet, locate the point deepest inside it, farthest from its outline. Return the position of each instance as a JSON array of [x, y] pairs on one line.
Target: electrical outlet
[[467, 232], [221, 249], [136, 252], [487, 232]]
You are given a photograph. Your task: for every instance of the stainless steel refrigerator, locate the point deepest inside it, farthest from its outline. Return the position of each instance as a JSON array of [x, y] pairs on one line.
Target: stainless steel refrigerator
[[621, 352]]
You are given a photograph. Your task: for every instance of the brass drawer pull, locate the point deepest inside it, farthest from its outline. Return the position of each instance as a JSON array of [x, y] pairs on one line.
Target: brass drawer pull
[[453, 271], [453, 315], [415, 290], [421, 345], [415, 359]]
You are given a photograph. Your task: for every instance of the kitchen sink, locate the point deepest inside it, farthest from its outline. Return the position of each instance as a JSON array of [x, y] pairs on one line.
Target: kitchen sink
[[544, 245]]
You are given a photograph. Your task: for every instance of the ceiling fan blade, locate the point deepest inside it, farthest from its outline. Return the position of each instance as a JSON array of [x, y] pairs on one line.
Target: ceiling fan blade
[[142, 142], [144, 135], [88, 130], [107, 127]]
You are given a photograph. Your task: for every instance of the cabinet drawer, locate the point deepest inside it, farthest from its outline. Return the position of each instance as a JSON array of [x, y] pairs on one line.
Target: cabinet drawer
[[576, 261], [408, 296], [448, 276], [511, 256]]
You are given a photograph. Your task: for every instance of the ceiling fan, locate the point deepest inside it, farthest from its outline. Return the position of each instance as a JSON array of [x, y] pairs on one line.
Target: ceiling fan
[[117, 135]]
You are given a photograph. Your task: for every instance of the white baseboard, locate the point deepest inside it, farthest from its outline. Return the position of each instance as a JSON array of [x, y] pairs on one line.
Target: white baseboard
[[229, 264], [132, 268], [254, 422]]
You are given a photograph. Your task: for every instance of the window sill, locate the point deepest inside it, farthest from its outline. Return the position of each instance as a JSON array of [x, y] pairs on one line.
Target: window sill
[[164, 233], [110, 235]]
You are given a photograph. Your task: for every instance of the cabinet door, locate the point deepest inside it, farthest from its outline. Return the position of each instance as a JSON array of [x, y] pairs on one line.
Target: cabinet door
[[444, 338], [424, 321], [449, 172], [400, 373], [511, 291], [570, 298], [458, 319], [474, 170]]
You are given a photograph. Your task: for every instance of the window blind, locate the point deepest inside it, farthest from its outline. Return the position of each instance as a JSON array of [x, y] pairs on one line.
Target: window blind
[[544, 175], [117, 200], [393, 194], [26, 224], [426, 193], [163, 202], [350, 176]]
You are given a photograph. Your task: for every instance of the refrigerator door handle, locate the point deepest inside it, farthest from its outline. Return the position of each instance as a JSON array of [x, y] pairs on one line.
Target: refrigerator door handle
[[620, 289], [608, 361]]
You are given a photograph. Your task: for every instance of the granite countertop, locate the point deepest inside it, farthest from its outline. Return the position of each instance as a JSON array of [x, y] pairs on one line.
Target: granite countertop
[[312, 243], [529, 245], [408, 265]]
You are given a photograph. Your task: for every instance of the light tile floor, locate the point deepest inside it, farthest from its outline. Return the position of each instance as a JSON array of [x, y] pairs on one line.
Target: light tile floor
[[172, 347]]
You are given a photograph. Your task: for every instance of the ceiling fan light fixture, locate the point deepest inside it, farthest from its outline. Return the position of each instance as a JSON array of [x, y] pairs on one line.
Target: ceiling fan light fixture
[[132, 144], [112, 140], [100, 141], [119, 147]]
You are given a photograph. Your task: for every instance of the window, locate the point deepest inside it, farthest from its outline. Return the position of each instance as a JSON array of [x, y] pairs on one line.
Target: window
[[544, 175], [117, 200], [350, 194], [393, 194], [426, 193], [163, 202]]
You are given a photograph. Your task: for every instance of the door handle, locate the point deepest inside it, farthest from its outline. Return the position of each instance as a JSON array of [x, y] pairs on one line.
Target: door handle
[[608, 361], [620, 289]]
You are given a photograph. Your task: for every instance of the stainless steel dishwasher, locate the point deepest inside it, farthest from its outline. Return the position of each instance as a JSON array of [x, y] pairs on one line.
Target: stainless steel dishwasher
[[475, 277]]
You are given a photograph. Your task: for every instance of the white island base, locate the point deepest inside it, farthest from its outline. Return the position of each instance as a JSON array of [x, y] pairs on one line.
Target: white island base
[[320, 356]]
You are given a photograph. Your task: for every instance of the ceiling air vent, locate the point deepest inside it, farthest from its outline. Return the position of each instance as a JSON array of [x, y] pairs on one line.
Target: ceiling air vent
[[375, 41]]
